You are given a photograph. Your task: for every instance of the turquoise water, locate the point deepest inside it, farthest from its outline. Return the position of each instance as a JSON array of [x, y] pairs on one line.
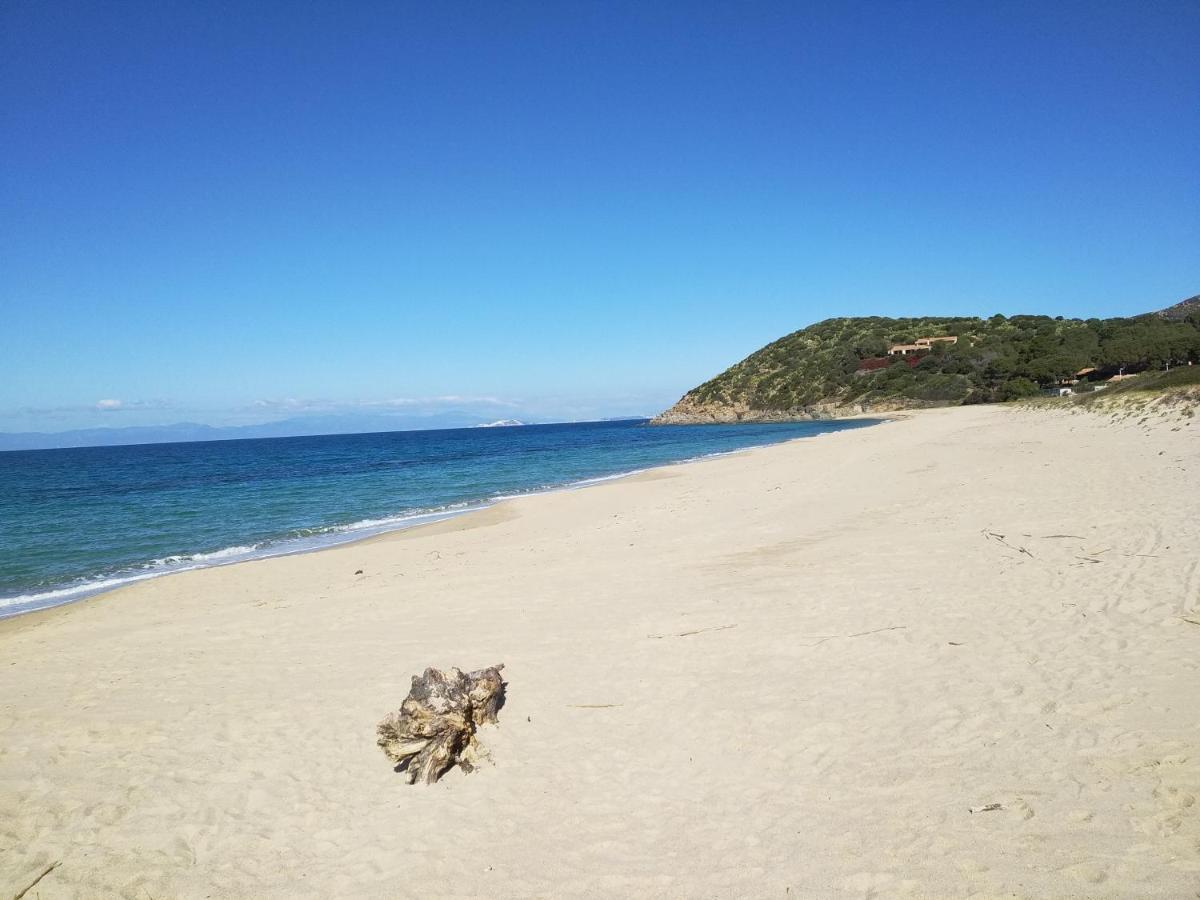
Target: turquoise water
[[76, 522]]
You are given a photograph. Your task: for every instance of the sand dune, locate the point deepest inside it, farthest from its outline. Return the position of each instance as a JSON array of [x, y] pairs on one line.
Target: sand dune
[[790, 672]]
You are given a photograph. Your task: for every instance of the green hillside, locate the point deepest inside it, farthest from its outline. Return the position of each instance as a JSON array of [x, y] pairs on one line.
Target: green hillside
[[843, 363]]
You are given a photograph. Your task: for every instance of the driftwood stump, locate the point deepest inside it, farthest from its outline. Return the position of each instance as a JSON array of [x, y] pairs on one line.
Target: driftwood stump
[[434, 729]]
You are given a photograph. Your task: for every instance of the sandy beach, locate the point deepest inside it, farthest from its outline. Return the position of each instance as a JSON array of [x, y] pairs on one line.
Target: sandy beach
[[954, 655]]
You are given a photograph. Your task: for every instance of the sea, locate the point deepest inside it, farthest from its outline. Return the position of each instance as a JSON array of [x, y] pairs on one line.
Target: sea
[[77, 522]]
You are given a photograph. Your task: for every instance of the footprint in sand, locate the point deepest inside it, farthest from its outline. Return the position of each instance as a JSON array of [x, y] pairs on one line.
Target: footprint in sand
[[1089, 873], [1022, 808]]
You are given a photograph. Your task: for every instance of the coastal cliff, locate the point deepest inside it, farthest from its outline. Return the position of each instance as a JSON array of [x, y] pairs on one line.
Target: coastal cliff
[[690, 411], [851, 366]]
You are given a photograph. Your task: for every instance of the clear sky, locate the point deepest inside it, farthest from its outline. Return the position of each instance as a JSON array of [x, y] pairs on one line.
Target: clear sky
[[228, 212]]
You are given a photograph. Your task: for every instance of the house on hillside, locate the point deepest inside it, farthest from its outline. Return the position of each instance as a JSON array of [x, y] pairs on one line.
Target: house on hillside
[[922, 345], [907, 349]]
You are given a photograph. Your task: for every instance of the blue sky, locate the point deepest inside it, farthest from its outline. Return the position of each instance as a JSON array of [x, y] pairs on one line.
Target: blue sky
[[228, 212]]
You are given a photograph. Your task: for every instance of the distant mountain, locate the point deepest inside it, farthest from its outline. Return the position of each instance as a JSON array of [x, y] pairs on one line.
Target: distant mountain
[[874, 364], [500, 423], [192, 431]]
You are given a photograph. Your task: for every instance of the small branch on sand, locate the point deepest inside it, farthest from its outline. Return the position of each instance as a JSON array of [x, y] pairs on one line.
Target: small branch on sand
[[434, 729], [993, 536], [877, 630], [690, 633], [830, 637], [1077, 537], [989, 807], [1190, 621], [46, 871]]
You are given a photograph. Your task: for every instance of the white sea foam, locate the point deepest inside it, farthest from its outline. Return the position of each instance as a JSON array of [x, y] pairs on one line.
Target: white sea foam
[[406, 520], [225, 553], [28, 602]]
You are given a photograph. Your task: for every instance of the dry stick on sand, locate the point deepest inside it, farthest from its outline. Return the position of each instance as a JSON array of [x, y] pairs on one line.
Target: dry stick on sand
[[830, 637], [46, 871], [434, 729], [690, 633], [992, 535]]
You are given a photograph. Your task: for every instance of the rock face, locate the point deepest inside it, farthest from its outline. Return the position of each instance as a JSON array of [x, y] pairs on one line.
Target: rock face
[[1182, 309], [689, 411], [434, 729]]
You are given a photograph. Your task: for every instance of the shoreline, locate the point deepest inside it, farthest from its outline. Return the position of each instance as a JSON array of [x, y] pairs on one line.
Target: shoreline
[[799, 670], [11, 609], [335, 536]]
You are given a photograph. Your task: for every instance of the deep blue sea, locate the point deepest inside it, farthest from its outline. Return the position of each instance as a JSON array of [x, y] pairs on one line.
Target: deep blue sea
[[80, 521]]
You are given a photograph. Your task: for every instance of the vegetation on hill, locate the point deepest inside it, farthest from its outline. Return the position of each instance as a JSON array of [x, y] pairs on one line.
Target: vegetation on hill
[[1172, 395], [843, 362], [1185, 377]]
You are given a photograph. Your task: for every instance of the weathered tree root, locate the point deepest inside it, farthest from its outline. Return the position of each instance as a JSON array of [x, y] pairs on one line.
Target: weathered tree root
[[434, 729]]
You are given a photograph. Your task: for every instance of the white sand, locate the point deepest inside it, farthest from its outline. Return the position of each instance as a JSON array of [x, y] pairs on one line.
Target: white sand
[[211, 734]]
